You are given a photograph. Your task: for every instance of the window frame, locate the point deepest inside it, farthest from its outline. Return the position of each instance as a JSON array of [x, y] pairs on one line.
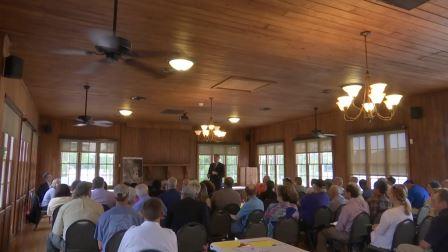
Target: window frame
[[97, 152], [223, 158], [307, 153], [267, 164], [367, 148]]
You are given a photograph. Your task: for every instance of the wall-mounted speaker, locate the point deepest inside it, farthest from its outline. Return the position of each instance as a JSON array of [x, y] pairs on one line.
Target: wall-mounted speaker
[[13, 67], [248, 137], [416, 112], [47, 129]]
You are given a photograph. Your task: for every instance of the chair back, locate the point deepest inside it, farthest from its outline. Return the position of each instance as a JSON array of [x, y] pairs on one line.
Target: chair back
[[55, 214], [105, 207], [256, 216], [113, 243], [424, 228], [255, 230], [404, 234], [219, 226], [377, 218], [360, 228], [79, 237], [191, 237], [322, 217], [287, 231], [421, 215], [338, 212], [232, 208]]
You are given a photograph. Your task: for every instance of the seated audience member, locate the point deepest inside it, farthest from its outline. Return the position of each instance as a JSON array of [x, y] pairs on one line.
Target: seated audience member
[[252, 203], [379, 202], [391, 180], [287, 181], [328, 183], [355, 205], [432, 188], [336, 198], [188, 209], [366, 191], [74, 184], [353, 180], [445, 183], [50, 193], [132, 198], [100, 195], [311, 189], [142, 194], [383, 233], [338, 181], [313, 201], [171, 196], [118, 218], [226, 196], [149, 235], [298, 185], [268, 196], [81, 207], [437, 237], [156, 188], [62, 195], [203, 196], [285, 208], [261, 187], [417, 195], [43, 188], [210, 187]]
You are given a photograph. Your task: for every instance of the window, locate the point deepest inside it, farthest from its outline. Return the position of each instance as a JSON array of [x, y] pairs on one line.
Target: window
[[228, 156], [271, 162], [377, 155], [86, 159], [314, 159]]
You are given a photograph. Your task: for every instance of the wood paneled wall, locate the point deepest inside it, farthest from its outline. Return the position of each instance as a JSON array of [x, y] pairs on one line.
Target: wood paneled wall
[[156, 143], [428, 155]]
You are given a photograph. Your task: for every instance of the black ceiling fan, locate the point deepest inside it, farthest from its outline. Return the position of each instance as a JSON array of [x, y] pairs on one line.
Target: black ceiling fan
[[85, 120], [115, 48], [317, 133]]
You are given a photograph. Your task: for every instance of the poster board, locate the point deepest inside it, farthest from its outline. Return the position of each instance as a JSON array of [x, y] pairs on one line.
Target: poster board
[[248, 176], [132, 170]]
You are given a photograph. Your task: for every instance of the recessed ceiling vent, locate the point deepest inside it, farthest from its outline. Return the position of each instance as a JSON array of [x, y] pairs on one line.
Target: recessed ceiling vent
[[405, 4], [172, 112], [238, 83]]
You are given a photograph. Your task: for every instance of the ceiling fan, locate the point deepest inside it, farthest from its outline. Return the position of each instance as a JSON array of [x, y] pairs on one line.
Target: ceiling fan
[[85, 120], [115, 48], [317, 133]]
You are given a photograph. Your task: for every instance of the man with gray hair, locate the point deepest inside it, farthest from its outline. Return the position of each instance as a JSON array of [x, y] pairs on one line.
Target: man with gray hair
[[188, 209], [81, 207], [49, 194], [171, 196], [141, 190]]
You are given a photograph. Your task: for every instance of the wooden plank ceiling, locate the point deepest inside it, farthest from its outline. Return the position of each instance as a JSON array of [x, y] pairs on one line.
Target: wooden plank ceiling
[[304, 46]]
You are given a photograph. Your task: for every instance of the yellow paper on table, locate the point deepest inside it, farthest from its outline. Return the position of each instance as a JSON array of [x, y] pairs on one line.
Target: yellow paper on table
[[262, 243], [228, 244]]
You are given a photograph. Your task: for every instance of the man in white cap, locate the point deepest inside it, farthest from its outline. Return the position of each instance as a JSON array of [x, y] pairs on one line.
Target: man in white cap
[[120, 217]]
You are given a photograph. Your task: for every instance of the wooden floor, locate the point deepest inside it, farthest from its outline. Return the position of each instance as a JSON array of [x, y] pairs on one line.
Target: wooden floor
[[31, 240]]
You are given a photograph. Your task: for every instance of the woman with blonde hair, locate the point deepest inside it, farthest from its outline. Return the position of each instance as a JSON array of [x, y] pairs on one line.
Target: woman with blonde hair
[[203, 195], [383, 233]]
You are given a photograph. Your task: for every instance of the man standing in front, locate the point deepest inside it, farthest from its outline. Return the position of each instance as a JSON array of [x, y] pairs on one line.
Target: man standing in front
[[216, 172]]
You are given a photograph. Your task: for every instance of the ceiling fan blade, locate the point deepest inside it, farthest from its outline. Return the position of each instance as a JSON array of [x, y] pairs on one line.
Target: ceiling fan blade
[[80, 124], [329, 135], [102, 123], [103, 38], [73, 52], [157, 73], [93, 67]]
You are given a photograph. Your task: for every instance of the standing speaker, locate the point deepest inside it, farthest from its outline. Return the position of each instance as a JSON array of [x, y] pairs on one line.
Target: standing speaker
[[13, 67], [416, 112]]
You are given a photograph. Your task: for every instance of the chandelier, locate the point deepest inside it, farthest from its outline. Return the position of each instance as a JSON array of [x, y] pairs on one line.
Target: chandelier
[[374, 103], [210, 132]]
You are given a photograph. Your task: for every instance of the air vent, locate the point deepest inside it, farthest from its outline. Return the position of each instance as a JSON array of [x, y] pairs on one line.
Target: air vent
[[405, 4], [172, 112], [238, 83]]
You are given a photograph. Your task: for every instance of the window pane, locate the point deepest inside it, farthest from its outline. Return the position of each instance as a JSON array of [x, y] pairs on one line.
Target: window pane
[[204, 163], [87, 166], [313, 166], [232, 167], [327, 165], [69, 161], [107, 167]]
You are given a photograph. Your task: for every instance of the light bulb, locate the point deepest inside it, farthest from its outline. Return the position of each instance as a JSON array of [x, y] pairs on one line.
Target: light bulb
[[376, 97], [211, 126], [181, 64], [206, 132], [344, 102], [234, 119], [352, 90], [368, 107], [394, 99], [198, 132], [204, 127], [388, 104], [377, 88], [125, 112]]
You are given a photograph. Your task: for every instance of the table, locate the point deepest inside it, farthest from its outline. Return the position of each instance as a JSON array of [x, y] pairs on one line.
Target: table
[[263, 244]]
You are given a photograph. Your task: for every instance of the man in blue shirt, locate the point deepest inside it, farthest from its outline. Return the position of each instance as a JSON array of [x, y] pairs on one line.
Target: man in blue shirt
[[417, 195], [171, 196], [142, 193], [120, 217], [311, 202], [252, 203]]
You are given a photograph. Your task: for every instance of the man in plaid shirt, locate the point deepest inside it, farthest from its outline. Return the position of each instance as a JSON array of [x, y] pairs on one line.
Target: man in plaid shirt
[[379, 202]]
